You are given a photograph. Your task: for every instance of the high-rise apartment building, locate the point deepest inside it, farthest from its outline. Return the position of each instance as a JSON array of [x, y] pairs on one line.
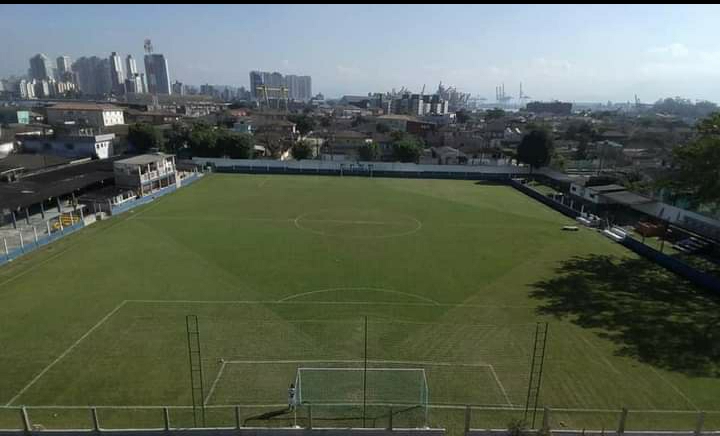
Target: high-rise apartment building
[[40, 68], [63, 71], [93, 75], [117, 76], [131, 66], [158, 74], [298, 87], [178, 88]]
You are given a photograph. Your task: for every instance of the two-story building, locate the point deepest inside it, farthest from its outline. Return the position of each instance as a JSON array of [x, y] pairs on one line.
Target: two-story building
[[85, 114], [146, 173], [80, 144]]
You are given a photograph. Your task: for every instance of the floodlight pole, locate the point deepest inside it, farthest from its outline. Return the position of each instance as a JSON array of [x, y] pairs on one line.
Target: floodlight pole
[[365, 373]]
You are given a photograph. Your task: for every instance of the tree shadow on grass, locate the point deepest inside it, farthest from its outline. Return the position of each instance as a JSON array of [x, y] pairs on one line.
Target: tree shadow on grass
[[649, 313]]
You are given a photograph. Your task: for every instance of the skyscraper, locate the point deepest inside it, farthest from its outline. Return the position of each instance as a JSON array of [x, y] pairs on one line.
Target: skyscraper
[[131, 66], [158, 74], [40, 67], [298, 87], [93, 75], [256, 80], [177, 88], [304, 88], [117, 76], [63, 67]]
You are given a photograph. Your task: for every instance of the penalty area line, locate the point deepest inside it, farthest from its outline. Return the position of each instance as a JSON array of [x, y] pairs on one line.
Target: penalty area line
[[65, 353], [212, 387]]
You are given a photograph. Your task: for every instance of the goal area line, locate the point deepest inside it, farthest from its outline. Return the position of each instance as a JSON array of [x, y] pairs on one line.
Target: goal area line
[[410, 366]]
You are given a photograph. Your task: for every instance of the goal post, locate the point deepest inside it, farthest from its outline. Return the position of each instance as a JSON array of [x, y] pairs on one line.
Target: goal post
[[348, 386]]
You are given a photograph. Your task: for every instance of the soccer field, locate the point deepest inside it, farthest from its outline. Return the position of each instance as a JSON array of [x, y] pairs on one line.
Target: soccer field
[[281, 272]]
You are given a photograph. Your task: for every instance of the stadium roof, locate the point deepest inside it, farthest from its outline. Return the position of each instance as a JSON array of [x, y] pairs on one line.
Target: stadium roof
[[42, 186], [30, 161]]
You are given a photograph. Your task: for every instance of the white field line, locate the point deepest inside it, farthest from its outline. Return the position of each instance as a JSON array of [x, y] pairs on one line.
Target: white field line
[[432, 406], [32, 268], [381, 290], [180, 218], [675, 388], [336, 303], [371, 223], [66, 352], [499, 383], [212, 388], [392, 362]]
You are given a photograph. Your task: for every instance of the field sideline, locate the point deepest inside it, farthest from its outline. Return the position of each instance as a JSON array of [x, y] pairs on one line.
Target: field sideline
[[280, 270]]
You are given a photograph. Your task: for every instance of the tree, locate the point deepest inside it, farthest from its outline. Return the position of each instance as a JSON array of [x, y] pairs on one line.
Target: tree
[[326, 121], [535, 149], [462, 116], [494, 114], [370, 152], [581, 152], [697, 169], [176, 138], [202, 141], [407, 149], [144, 136], [301, 150], [304, 123], [235, 145]]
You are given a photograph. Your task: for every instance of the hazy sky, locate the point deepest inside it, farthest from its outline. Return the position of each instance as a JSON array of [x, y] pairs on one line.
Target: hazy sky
[[580, 53]]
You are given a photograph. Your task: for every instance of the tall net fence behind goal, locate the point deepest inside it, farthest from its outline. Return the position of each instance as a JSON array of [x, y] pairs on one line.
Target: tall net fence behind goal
[[356, 386], [353, 393]]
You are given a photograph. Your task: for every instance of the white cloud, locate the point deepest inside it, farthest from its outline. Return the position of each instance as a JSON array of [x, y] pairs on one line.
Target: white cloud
[[674, 50]]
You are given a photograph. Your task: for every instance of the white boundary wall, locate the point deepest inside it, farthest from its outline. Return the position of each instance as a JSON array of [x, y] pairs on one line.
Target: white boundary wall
[[265, 165]]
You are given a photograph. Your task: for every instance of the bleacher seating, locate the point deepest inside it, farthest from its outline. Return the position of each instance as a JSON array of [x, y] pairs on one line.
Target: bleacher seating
[[691, 245]]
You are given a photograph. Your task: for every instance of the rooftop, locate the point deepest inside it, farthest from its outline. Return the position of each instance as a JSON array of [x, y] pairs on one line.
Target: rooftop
[[84, 107], [627, 198], [33, 189], [607, 188], [144, 159]]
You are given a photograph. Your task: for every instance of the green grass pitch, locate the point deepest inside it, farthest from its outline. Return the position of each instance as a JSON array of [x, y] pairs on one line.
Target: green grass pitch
[[281, 271]]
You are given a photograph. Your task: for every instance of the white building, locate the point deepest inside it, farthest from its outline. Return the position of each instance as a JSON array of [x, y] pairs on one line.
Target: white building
[[145, 173], [87, 114], [97, 146]]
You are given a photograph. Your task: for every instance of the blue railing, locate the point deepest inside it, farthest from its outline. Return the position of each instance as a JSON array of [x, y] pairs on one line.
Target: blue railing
[[131, 204], [33, 245]]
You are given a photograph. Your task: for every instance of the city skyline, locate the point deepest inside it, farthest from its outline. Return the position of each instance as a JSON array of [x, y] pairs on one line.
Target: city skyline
[[566, 52]]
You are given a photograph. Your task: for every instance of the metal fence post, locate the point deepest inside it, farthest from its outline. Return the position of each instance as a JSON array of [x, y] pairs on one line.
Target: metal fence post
[[25, 420], [95, 419], [390, 419], [621, 424], [468, 413], [700, 423], [238, 424], [36, 237], [22, 243], [7, 252], [309, 424], [546, 421], [166, 418]]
